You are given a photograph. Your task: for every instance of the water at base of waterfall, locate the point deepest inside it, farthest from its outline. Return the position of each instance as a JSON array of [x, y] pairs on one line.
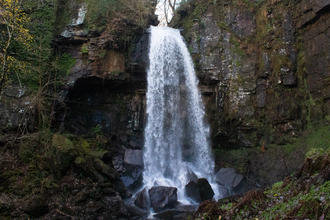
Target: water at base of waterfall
[[176, 135]]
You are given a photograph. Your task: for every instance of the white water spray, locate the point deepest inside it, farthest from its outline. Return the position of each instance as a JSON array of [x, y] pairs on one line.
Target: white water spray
[[176, 135]]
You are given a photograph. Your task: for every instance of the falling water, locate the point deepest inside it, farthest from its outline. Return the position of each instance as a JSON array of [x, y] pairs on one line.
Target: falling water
[[176, 135]]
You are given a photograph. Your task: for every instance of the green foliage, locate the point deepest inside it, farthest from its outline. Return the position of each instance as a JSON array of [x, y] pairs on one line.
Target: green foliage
[[84, 49], [112, 18], [64, 64], [277, 186], [97, 130]]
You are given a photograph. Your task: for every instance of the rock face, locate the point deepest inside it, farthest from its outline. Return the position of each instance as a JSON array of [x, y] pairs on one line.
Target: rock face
[[162, 197], [252, 61], [16, 109], [199, 191]]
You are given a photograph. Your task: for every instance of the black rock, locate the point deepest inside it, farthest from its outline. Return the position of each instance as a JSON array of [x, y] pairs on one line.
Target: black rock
[[142, 200], [205, 190], [200, 190], [192, 191], [162, 197]]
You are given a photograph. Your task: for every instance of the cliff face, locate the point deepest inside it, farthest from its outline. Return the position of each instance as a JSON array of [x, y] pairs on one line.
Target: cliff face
[[264, 72], [265, 65]]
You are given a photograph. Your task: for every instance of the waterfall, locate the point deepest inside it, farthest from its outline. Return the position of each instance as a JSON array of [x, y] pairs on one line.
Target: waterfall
[[176, 135]]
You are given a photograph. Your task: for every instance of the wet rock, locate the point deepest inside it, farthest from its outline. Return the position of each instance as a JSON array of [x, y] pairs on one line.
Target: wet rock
[[132, 178], [192, 192], [162, 197], [137, 212], [228, 177], [117, 206], [199, 191], [134, 157], [205, 190], [142, 200]]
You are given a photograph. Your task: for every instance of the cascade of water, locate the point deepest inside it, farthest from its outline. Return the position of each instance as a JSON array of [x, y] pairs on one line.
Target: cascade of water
[[176, 136]]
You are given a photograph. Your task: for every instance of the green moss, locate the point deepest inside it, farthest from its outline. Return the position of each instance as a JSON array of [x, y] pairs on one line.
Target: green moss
[[85, 146], [84, 49], [65, 63], [62, 143]]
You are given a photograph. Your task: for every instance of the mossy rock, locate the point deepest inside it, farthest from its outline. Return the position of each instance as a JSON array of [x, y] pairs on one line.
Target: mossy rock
[[63, 153]]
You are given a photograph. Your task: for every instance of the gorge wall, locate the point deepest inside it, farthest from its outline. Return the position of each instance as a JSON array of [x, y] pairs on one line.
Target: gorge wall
[[264, 76], [264, 72]]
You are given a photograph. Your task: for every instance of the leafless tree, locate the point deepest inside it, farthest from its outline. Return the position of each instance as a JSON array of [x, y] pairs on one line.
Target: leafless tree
[[165, 10]]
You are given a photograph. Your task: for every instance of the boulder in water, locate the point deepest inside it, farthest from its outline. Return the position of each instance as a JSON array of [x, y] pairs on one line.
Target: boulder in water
[[205, 190], [192, 191], [142, 200], [163, 197], [200, 190]]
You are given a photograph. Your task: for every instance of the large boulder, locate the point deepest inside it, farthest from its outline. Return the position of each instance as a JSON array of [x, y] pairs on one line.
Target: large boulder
[[200, 190], [142, 200], [134, 157], [192, 191], [163, 197], [229, 178], [64, 152]]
